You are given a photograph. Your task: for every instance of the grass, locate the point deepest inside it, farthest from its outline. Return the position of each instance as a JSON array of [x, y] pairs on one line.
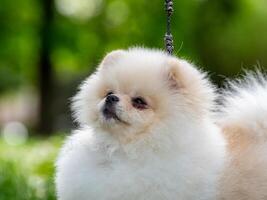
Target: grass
[[27, 171]]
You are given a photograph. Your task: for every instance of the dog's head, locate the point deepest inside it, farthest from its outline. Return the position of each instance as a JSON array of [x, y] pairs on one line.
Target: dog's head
[[136, 91]]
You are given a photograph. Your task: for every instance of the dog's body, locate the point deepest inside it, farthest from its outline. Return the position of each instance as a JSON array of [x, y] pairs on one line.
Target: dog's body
[[97, 167], [147, 132], [244, 123]]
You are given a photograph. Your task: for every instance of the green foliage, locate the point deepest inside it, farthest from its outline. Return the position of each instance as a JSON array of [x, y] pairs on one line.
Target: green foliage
[[231, 35], [220, 35], [19, 23], [27, 171], [13, 183]]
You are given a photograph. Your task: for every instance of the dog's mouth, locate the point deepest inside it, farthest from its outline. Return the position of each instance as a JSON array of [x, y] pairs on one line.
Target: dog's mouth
[[110, 113]]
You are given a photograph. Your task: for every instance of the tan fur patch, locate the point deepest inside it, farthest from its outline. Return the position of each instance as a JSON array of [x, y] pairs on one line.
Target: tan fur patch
[[236, 137], [245, 174]]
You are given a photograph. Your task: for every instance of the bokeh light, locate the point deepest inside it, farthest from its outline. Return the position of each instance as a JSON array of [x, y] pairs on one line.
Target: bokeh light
[[15, 133], [117, 13], [78, 9]]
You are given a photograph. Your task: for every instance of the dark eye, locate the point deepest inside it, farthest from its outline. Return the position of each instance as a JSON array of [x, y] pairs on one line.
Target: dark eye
[[139, 102], [109, 93]]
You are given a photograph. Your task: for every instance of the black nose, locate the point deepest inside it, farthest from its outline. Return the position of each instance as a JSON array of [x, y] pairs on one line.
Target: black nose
[[110, 99]]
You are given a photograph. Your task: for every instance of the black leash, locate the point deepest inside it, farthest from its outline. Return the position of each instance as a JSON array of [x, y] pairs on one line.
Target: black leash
[[168, 36]]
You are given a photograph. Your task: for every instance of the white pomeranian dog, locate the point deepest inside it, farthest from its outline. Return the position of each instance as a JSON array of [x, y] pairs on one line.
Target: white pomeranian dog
[[148, 132]]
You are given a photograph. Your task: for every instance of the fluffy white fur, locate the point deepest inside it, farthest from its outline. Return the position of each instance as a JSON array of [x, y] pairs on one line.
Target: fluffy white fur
[[245, 103], [172, 150], [243, 119]]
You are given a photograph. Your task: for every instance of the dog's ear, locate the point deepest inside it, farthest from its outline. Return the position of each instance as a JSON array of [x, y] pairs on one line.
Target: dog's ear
[[181, 74], [184, 78], [112, 57], [176, 74]]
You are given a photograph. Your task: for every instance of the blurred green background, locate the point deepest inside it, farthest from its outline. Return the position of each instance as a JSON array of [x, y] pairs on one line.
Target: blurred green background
[[48, 46]]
